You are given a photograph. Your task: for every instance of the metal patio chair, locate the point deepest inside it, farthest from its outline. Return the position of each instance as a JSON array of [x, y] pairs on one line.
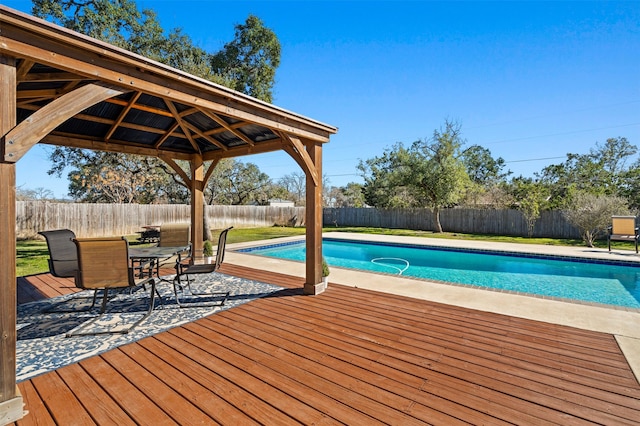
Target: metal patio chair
[[103, 263], [184, 270], [63, 263]]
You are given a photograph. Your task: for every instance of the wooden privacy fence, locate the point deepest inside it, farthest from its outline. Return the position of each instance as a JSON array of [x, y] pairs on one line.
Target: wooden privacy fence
[[91, 220], [551, 224]]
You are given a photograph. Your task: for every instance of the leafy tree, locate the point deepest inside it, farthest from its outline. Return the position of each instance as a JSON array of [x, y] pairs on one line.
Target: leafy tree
[[487, 176], [430, 173], [110, 21], [591, 213], [251, 70], [629, 186], [250, 60], [437, 170], [482, 168], [101, 177], [239, 183], [350, 195], [601, 171], [531, 198], [384, 185]]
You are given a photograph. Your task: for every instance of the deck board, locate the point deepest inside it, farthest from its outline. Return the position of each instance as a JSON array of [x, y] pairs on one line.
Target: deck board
[[347, 356]]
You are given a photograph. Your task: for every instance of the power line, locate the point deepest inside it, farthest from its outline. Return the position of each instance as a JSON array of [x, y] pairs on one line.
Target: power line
[[519, 120], [561, 134], [533, 159]]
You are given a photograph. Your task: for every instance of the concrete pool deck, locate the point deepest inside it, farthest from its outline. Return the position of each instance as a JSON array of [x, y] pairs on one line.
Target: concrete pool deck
[[623, 323]]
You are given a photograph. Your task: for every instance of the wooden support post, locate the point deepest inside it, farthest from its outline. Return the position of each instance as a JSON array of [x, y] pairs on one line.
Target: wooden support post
[[10, 400], [197, 206], [313, 284]]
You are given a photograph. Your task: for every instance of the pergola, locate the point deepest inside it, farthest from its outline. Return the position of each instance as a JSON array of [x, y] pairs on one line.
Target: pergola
[[62, 88]]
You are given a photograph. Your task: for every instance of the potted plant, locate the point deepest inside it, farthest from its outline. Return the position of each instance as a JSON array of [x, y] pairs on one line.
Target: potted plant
[[325, 271], [207, 251]]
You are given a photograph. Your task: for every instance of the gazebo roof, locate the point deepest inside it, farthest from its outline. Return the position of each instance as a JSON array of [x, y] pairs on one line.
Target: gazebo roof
[[153, 109]]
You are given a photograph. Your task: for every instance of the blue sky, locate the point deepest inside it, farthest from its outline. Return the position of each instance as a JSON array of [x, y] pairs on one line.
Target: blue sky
[[530, 81]]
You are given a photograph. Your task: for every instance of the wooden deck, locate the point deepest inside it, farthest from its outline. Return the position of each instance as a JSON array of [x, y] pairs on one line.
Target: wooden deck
[[347, 356]]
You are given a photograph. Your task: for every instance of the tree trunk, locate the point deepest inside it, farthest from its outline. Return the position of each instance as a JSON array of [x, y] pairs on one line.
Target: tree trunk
[[436, 220], [588, 238], [206, 229]]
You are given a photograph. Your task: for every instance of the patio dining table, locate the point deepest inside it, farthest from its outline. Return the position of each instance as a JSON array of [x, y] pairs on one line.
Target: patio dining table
[[155, 255]]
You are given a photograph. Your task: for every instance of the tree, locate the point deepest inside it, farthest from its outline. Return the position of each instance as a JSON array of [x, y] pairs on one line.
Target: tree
[[295, 184], [252, 71], [591, 213], [630, 185], [350, 195], [37, 194], [96, 176], [601, 171], [237, 183], [486, 174], [530, 197], [110, 21], [384, 185], [482, 168], [430, 173], [101, 177], [250, 60]]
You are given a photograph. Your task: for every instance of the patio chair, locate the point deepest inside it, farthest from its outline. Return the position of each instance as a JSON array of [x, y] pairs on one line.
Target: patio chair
[[103, 263], [63, 263], [175, 235], [623, 228], [171, 235], [184, 270], [63, 259]]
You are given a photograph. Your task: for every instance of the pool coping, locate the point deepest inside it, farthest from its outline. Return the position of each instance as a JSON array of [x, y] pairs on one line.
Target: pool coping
[[618, 321]]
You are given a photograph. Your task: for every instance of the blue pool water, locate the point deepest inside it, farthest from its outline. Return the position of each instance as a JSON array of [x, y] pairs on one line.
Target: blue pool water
[[611, 283]]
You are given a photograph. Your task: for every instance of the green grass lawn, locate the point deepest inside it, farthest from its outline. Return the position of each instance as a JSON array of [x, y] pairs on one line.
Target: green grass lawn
[[32, 255]]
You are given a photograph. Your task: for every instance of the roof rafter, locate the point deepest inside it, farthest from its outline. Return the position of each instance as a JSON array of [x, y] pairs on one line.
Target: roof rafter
[[123, 114], [223, 124]]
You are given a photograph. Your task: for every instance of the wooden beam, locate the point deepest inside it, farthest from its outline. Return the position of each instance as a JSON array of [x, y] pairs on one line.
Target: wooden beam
[[185, 129], [140, 107], [176, 167], [30, 131], [239, 151], [52, 76], [209, 172], [211, 140], [110, 122], [294, 147], [122, 115], [313, 283], [166, 135], [38, 93], [112, 146], [10, 400], [224, 125], [23, 70], [197, 207]]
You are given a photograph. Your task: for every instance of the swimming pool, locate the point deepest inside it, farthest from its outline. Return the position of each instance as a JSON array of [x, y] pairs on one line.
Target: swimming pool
[[604, 282]]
